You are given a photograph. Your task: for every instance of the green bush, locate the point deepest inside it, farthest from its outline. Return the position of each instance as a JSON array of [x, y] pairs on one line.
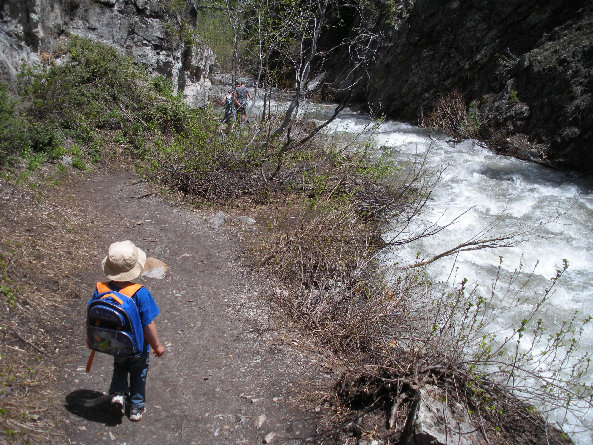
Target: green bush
[[44, 138], [513, 97], [13, 129], [97, 90], [205, 163]]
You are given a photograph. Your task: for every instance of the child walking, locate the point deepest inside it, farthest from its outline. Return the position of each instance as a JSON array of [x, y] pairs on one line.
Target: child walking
[[123, 264], [229, 110]]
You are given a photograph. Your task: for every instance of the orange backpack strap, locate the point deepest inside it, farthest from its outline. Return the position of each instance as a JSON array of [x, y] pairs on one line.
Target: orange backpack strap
[[130, 289], [102, 287], [115, 297]]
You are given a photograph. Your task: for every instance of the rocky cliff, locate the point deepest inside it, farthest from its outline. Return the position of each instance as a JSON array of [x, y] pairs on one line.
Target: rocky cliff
[[526, 64], [30, 30]]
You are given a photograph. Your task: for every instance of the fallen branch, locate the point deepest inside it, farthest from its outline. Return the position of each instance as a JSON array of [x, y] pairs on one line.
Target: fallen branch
[[392, 422], [37, 348], [490, 243]]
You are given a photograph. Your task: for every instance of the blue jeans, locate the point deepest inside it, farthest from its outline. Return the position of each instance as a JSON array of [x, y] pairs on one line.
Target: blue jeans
[[137, 367]]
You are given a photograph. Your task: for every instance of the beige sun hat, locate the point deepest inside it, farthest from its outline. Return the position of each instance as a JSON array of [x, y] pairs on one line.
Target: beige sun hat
[[124, 261]]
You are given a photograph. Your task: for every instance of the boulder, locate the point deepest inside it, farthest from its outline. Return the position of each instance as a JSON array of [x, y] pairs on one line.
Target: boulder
[[218, 220], [433, 422]]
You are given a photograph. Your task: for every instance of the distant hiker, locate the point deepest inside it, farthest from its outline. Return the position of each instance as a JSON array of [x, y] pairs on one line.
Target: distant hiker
[[229, 116], [123, 264], [229, 110], [241, 95]]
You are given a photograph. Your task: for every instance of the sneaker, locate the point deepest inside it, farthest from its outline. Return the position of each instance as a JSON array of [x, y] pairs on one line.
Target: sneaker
[[118, 404], [136, 414]]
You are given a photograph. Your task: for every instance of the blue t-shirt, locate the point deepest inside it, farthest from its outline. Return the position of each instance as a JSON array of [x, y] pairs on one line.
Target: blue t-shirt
[[147, 307]]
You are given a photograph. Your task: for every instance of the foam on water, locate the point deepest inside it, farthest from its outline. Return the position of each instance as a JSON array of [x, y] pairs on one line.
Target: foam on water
[[513, 195], [509, 193]]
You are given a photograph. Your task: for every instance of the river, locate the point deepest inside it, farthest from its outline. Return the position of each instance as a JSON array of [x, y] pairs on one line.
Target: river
[[485, 190], [512, 195]]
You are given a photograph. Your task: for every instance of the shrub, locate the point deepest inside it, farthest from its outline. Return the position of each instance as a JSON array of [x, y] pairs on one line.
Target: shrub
[[44, 138], [450, 116], [513, 97], [97, 90], [201, 162], [13, 129]]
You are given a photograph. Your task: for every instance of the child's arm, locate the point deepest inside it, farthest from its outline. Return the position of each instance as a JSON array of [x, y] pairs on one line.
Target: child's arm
[[153, 339]]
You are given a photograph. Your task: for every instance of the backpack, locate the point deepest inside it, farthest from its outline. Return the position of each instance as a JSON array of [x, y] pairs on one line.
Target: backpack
[[113, 321]]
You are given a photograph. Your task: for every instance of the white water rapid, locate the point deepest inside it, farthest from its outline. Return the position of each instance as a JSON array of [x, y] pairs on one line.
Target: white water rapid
[[485, 189]]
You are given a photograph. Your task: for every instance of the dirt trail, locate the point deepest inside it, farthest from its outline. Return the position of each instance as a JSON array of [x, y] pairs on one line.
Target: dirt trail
[[231, 374]]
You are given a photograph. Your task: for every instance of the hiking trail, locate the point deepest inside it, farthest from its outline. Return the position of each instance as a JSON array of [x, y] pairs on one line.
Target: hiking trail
[[231, 374]]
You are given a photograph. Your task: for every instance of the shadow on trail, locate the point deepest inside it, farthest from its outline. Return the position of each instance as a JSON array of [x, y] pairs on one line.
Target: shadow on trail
[[93, 406]]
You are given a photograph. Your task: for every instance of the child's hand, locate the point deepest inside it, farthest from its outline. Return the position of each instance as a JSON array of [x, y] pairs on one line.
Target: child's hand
[[158, 350]]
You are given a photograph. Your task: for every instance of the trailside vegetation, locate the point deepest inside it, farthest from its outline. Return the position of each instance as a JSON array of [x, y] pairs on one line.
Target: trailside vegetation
[[324, 203]]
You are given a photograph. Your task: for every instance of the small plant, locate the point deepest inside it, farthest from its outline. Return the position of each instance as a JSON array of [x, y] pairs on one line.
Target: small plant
[[78, 163], [472, 122], [9, 294], [35, 161], [513, 97]]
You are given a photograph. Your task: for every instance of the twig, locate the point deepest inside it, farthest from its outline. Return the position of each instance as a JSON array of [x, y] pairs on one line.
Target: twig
[[37, 348], [392, 422]]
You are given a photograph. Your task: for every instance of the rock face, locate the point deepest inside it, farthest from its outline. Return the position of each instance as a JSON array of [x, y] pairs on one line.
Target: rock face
[[527, 65], [29, 30]]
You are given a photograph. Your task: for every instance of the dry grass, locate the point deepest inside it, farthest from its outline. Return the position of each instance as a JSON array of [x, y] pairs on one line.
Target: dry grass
[[320, 260], [45, 244]]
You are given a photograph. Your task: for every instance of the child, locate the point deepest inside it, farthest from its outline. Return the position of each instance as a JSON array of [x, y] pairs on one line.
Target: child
[[123, 264], [229, 116], [229, 111]]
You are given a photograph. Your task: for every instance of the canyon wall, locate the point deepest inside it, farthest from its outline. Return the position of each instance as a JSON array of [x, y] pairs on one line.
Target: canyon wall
[[142, 29], [526, 64]]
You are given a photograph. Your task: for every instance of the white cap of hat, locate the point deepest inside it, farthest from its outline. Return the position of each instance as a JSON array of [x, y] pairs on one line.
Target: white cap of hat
[[124, 261]]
